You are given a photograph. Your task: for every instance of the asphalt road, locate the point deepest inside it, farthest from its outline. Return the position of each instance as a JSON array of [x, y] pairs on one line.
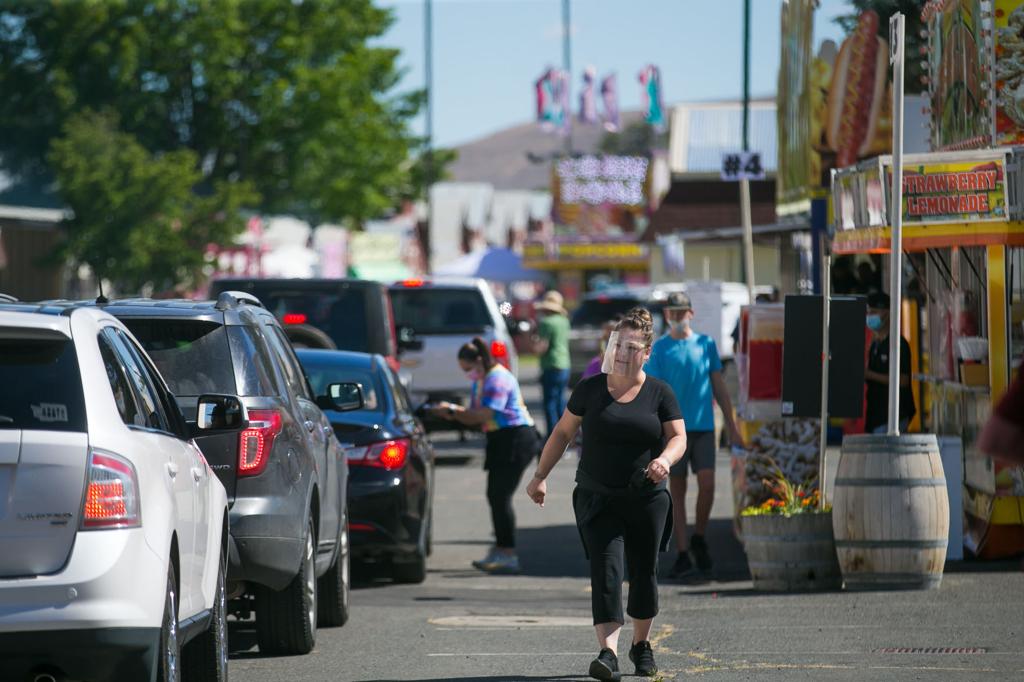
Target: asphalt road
[[463, 625]]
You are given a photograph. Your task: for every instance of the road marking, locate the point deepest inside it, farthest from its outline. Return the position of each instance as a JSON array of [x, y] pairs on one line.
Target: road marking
[[512, 621]]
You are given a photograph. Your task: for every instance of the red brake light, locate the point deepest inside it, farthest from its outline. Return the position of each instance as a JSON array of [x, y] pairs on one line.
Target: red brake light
[[256, 442], [294, 318], [498, 349], [112, 493], [390, 454], [603, 298], [412, 283]]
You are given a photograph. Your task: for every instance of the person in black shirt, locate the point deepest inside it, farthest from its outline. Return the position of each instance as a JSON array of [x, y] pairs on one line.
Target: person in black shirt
[[876, 414], [633, 433]]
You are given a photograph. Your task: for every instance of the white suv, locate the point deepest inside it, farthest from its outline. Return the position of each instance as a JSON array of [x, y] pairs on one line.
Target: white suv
[[112, 524], [434, 318]]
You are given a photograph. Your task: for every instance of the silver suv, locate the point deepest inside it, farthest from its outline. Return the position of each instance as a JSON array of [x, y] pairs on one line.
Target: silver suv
[[434, 319]]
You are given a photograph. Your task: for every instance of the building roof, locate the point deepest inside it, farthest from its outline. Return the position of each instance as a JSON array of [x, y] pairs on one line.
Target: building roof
[[701, 204], [701, 132]]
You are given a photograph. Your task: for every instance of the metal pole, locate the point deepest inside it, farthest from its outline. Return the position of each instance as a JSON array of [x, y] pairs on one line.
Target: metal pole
[[428, 65], [826, 356], [748, 237], [567, 65], [896, 36], [748, 231], [746, 74]]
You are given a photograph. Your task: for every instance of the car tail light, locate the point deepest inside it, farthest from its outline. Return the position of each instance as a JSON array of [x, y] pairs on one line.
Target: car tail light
[[499, 351], [111, 493], [294, 318], [389, 454], [412, 283], [257, 440]]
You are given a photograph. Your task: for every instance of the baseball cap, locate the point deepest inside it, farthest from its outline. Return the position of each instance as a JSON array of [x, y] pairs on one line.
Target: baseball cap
[[878, 300], [678, 299]]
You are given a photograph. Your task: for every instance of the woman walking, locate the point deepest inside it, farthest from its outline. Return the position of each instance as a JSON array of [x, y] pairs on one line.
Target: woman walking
[[496, 406], [633, 433]]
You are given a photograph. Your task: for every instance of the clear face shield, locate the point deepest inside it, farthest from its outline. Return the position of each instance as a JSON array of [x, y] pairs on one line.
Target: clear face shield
[[623, 356]]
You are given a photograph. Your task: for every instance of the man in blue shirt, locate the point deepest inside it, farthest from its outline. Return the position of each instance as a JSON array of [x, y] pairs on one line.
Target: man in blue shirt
[[689, 363]]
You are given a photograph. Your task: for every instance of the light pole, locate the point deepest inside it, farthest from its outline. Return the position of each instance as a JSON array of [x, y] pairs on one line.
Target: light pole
[[748, 231], [567, 66], [428, 151]]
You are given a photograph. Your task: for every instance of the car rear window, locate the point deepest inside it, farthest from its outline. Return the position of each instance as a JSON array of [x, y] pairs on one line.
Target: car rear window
[[42, 386], [322, 376], [594, 312], [339, 313], [192, 355], [441, 311]]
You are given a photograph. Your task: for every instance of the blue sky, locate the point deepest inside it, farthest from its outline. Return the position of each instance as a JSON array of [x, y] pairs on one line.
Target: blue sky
[[487, 53]]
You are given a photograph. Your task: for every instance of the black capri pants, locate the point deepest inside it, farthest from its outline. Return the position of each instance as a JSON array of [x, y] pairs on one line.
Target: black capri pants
[[509, 451], [630, 528]]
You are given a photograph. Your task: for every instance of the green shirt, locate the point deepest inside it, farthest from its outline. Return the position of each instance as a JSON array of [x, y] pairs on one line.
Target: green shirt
[[555, 330]]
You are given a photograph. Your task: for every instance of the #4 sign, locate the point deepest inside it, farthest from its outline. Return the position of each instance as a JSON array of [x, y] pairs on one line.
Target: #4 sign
[[742, 166]]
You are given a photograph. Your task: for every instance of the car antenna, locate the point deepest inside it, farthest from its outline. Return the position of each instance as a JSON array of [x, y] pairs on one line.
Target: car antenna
[[101, 299]]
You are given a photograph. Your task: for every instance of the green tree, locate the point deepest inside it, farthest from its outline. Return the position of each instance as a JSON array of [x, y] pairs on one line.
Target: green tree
[[287, 95], [137, 220], [636, 139], [913, 82]]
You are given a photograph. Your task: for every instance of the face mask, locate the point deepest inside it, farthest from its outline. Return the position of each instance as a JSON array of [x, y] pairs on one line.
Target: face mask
[[679, 326], [474, 375], [874, 322], [623, 357]]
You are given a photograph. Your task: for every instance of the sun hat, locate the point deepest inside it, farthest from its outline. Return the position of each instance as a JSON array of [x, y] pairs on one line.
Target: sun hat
[[552, 302]]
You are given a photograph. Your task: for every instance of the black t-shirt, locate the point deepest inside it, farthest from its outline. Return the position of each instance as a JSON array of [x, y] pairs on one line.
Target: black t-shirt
[[619, 437], [877, 412]]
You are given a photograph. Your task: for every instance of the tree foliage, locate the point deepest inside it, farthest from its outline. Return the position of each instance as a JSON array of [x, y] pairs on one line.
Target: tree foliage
[[911, 9], [636, 139], [288, 96], [137, 220]]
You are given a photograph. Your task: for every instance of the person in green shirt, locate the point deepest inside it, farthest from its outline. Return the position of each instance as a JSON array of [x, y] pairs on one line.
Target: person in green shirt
[[552, 345]]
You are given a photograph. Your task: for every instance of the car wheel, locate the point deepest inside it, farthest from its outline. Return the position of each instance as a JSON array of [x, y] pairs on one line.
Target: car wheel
[[334, 586], [410, 571], [168, 667], [205, 659], [286, 620]]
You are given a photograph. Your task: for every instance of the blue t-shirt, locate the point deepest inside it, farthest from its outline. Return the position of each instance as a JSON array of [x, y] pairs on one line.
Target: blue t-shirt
[[686, 365], [499, 391]]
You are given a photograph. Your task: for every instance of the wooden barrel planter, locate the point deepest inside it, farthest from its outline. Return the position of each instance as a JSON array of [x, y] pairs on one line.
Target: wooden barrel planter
[[791, 553], [890, 512]]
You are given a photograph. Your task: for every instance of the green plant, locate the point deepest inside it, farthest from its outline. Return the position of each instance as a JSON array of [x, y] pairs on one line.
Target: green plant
[[786, 498]]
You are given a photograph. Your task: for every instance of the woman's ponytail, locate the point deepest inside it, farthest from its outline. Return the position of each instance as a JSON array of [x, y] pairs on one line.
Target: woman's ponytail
[[477, 350]]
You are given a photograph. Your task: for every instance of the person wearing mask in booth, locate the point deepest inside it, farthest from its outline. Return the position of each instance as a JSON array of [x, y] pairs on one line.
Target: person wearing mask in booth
[[876, 376], [689, 363], [496, 406], [632, 435]]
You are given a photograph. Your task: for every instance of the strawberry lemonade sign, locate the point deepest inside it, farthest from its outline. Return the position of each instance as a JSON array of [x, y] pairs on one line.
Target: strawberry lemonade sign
[[954, 193]]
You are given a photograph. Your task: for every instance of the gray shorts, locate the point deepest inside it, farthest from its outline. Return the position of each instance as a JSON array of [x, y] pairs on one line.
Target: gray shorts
[[700, 453]]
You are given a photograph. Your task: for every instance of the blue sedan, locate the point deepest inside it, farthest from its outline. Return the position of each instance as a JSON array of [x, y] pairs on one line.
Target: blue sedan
[[390, 459]]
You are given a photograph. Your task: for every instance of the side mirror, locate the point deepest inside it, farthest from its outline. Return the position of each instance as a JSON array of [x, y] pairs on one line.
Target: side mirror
[[220, 413], [343, 397], [407, 339]]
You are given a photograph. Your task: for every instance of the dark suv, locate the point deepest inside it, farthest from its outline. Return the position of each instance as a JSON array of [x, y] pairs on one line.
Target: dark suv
[[334, 314], [285, 475]]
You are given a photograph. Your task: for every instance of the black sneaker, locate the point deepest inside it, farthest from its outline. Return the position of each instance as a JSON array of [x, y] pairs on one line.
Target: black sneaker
[[643, 658], [700, 553], [605, 666], [682, 568]]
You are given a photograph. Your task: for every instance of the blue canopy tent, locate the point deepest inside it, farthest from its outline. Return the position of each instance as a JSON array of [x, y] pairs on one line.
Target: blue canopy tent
[[496, 265]]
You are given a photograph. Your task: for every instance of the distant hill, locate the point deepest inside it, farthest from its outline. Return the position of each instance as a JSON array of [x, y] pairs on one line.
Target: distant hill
[[501, 158]]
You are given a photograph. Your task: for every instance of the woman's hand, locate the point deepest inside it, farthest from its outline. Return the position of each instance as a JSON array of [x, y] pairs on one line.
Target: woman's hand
[[537, 489], [658, 469]]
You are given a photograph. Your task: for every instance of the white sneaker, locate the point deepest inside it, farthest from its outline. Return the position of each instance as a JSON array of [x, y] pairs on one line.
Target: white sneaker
[[507, 564]]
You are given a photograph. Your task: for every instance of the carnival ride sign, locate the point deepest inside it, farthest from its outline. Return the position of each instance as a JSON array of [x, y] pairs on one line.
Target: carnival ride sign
[[596, 180]]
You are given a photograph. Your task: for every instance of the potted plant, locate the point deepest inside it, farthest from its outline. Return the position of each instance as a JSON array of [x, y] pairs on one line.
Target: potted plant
[[788, 539]]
